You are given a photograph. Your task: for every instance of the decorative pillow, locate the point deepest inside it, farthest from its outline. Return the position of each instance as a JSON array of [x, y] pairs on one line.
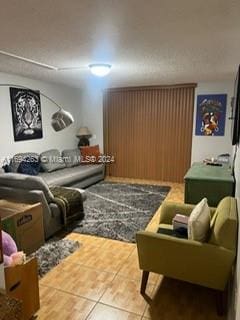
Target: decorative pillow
[[19, 157], [90, 154], [7, 168], [51, 160], [71, 157], [199, 222], [28, 166]]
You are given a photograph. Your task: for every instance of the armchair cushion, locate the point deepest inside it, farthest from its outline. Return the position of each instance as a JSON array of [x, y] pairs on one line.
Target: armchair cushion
[[170, 209], [199, 221]]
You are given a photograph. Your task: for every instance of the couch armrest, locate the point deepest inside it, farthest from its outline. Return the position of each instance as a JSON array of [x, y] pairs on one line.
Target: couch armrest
[[82, 191], [26, 182], [183, 259], [30, 196], [170, 209]]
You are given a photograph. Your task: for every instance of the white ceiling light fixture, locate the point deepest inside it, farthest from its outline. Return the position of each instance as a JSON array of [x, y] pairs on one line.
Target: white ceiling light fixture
[[100, 69]]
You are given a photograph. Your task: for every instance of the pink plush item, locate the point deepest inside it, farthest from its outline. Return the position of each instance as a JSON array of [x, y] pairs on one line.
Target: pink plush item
[[11, 256], [17, 258], [9, 247], [7, 261], [8, 244]]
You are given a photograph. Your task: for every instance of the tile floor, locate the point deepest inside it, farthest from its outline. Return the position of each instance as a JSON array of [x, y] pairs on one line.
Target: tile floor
[[101, 281]]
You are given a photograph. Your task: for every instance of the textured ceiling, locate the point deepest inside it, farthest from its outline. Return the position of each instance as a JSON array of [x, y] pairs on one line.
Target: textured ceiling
[[147, 42]]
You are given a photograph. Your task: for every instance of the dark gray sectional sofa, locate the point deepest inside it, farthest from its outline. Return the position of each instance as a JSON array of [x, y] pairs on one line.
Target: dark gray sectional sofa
[[31, 189]]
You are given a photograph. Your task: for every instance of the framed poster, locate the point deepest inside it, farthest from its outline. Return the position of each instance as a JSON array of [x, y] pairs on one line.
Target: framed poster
[[26, 114], [211, 114]]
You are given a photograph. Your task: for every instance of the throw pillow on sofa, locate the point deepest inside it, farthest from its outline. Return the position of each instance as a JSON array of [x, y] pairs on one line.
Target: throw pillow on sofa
[[71, 157], [30, 167], [51, 160], [90, 154], [199, 222], [19, 157]]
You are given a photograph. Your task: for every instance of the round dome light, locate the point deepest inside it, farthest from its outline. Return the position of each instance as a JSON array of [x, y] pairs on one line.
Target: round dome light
[[100, 69]]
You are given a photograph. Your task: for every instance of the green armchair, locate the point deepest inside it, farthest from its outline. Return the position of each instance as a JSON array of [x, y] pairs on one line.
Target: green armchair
[[208, 264]]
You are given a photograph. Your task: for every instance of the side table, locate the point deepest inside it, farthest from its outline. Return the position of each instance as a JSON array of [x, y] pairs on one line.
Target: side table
[[212, 182]]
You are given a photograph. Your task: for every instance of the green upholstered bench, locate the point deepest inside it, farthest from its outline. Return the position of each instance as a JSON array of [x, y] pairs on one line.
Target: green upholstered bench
[[208, 181]]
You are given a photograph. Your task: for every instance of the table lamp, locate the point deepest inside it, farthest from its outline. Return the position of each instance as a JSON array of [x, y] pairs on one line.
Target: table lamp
[[83, 134]]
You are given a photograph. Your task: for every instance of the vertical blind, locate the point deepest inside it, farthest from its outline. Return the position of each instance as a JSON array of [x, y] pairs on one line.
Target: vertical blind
[[148, 130]]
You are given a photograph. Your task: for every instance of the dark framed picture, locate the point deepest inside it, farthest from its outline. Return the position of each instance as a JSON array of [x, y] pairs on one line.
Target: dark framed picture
[[211, 114], [26, 114]]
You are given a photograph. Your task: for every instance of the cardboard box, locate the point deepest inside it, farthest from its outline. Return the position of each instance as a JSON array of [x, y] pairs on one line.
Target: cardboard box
[[22, 284], [24, 222]]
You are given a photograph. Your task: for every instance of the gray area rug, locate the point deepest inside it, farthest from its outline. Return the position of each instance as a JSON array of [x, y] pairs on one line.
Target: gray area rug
[[53, 252], [118, 210]]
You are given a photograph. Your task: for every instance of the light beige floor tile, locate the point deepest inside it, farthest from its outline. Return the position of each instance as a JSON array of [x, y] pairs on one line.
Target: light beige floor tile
[[118, 245], [103, 312], [124, 294], [56, 305], [103, 259], [130, 269], [78, 280]]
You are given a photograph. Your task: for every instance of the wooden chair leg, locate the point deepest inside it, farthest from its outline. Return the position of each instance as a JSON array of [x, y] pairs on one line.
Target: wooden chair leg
[[145, 275], [221, 302]]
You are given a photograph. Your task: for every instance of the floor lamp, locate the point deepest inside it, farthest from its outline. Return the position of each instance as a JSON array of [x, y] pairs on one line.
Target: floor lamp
[[60, 119]]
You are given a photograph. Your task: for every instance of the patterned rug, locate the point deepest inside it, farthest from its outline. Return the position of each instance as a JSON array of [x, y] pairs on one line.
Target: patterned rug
[[118, 210], [53, 252]]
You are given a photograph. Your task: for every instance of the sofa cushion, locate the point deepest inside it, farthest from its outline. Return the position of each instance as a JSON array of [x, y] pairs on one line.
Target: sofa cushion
[[69, 176], [71, 157], [224, 224], [22, 181], [19, 157], [90, 154], [199, 222], [29, 167], [51, 160]]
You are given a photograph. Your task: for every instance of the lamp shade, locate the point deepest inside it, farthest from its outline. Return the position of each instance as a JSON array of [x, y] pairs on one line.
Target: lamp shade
[[84, 131], [61, 119]]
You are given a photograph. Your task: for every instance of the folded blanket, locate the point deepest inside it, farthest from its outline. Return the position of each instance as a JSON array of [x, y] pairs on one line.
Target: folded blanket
[[69, 201]]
